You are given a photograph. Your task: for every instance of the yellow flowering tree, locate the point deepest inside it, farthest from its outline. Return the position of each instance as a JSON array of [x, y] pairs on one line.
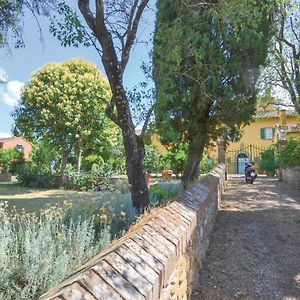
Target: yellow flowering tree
[[65, 102]]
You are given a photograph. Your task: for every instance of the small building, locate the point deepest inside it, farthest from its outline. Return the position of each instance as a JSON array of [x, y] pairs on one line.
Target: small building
[[260, 134], [17, 143]]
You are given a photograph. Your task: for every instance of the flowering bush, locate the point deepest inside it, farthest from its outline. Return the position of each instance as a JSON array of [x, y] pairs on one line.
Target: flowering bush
[[38, 252]]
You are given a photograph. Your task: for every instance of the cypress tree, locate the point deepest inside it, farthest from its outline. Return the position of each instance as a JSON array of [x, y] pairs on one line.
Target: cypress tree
[[207, 61]]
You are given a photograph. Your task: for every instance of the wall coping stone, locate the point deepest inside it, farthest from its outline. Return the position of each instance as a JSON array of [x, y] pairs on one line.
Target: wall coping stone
[[139, 264]]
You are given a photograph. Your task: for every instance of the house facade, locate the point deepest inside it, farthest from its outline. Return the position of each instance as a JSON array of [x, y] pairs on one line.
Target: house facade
[[17, 143], [269, 126]]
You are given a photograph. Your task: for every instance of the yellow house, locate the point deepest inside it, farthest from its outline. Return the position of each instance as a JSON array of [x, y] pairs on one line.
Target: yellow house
[[265, 130]]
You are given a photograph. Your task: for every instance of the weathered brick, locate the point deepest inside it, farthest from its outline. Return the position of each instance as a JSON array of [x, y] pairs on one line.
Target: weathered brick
[[142, 267], [76, 292], [175, 240], [117, 281], [130, 274], [98, 287], [149, 259]]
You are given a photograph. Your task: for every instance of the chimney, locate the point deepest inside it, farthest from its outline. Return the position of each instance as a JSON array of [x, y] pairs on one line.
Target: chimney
[[282, 116]]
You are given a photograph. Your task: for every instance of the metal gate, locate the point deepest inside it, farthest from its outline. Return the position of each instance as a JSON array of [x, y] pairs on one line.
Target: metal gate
[[236, 159]]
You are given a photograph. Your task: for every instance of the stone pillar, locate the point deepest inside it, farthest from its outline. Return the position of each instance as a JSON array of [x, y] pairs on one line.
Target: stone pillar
[[281, 144]]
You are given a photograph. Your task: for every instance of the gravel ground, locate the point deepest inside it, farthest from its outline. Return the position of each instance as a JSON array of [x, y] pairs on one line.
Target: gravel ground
[[254, 251]]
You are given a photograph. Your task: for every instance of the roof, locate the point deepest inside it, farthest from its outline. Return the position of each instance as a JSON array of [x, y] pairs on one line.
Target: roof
[[2, 140], [265, 114]]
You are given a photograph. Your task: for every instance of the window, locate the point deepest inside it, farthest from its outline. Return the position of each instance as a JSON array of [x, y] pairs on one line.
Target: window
[[20, 148], [267, 133]]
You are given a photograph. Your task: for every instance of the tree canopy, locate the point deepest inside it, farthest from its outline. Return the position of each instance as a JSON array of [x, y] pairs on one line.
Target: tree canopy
[[284, 66], [11, 18], [65, 102], [207, 60], [111, 28]]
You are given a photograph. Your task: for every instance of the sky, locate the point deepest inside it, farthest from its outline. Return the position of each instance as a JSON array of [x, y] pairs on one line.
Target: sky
[[16, 66]]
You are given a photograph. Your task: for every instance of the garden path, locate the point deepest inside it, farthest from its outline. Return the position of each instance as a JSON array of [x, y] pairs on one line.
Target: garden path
[[254, 250]]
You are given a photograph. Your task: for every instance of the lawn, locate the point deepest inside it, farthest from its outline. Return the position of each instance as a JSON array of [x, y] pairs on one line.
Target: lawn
[[35, 200]]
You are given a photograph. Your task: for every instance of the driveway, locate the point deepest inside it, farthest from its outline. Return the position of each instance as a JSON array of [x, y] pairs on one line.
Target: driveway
[[254, 250]]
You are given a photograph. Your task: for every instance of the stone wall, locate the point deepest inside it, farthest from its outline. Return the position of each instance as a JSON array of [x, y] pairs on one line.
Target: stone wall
[[159, 258], [291, 176]]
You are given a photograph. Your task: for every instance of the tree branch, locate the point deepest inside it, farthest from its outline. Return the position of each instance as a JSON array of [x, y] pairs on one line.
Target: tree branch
[[147, 119], [87, 13], [131, 32], [110, 113]]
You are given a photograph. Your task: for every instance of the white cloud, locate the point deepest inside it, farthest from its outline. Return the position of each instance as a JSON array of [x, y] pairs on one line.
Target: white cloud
[[4, 135], [3, 75], [11, 93]]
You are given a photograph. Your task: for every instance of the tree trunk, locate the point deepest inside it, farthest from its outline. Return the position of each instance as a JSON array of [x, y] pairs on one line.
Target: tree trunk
[[79, 152], [221, 151], [192, 165], [134, 153], [64, 158]]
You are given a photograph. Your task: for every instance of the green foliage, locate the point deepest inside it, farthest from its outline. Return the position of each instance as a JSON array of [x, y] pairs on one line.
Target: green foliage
[[205, 164], [70, 32], [32, 175], [289, 156], [7, 157], [152, 159], [11, 14], [268, 161], [158, 193], [64, 103], [44, 154], [39, 252], [92, 161], [175, 159], [285, 52], [206, 66]]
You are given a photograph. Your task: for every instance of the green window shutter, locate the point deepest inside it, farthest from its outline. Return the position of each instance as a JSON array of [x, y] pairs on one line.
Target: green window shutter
[[273, 129], [262, 133]]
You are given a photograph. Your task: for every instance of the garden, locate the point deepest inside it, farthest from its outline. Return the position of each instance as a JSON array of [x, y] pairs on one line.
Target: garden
[[94, 167], [48, 229]]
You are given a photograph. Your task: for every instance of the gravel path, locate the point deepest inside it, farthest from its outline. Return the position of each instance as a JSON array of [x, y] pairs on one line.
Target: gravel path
[[254, 251]]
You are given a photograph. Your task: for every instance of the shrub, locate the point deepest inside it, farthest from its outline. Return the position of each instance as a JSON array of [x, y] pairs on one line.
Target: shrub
[[158, 193], [7, 157], [39, 252], [176, 159], [98, 178], [92, 160], [289, 156], [268, 161], [32, 175], [80, 181], [205, 165], [152, 159]]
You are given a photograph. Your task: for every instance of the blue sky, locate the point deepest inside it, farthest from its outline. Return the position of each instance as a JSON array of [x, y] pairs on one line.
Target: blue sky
[[17, 66]]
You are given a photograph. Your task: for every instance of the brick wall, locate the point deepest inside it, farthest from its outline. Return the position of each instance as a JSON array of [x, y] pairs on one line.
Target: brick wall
[[159, 258], [291, 176]]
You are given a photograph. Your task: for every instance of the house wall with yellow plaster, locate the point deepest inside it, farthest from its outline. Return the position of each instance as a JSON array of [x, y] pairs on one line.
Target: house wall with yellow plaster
[[155, 141], [251, 135]]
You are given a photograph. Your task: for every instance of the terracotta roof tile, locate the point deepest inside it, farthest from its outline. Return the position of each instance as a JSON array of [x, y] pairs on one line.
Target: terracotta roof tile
[[273, 114]]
